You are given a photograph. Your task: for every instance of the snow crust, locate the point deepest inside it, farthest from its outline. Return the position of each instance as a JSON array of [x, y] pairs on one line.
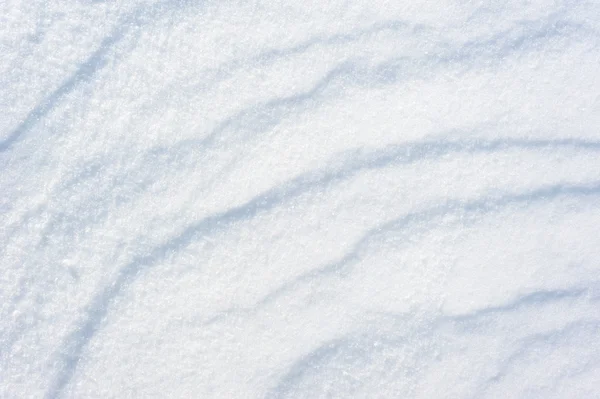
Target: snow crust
[[316, 199]]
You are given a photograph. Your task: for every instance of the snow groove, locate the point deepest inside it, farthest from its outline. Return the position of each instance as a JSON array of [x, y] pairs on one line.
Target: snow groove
[[322, 199]]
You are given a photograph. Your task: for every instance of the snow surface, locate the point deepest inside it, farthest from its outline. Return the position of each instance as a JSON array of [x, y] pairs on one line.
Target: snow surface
[[245, 199]]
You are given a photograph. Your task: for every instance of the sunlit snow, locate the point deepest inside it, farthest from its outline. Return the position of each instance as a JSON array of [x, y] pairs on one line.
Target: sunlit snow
[[310, 199]]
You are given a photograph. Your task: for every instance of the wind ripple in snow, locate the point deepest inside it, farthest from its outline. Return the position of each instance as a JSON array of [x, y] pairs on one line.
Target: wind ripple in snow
[[336, 199]]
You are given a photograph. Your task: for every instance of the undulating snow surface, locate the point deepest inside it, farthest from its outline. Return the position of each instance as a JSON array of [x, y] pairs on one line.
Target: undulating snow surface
[[245, 199]]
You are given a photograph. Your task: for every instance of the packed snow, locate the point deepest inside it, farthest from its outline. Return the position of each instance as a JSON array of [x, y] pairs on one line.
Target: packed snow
[[312, 199]]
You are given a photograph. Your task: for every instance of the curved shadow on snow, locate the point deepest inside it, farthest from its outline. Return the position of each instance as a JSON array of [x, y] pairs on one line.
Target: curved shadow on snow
[[341, 167], [251, 120], [423, 220], [97, 310], [524, 36], [84, 73], [262, 117], [527, 300], [258, 118], [270, 56], [88, 69], [552, 340], [361, 349]]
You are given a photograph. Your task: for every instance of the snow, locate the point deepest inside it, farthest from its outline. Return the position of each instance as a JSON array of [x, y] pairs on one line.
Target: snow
[[224, 199]]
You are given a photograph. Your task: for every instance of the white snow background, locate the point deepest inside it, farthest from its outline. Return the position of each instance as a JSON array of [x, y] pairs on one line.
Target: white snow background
[[277, 199]]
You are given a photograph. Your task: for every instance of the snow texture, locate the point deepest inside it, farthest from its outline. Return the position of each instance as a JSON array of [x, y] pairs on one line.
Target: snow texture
[[312, 199]]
